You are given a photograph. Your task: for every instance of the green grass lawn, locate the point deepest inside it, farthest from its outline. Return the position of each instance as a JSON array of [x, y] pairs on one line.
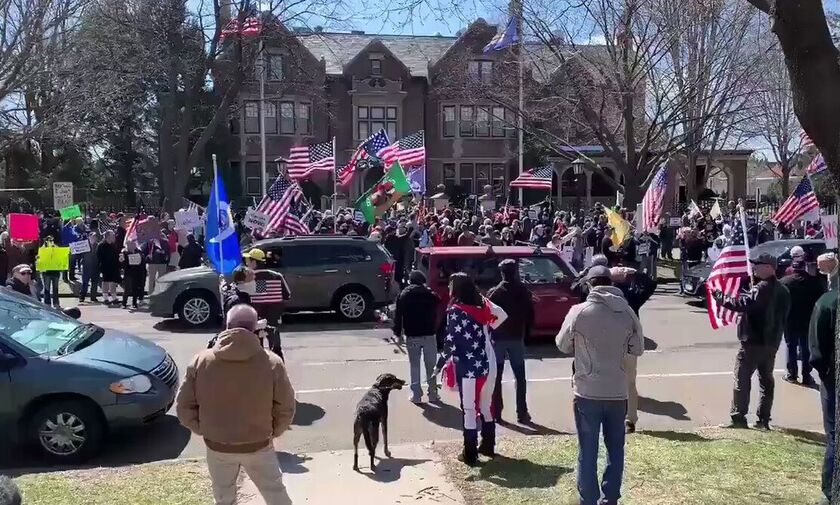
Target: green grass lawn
[[709, 467], [183, 483]]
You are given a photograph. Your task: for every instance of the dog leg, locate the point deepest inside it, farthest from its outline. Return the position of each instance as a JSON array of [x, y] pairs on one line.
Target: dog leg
[[357, 434], [372, 431], [385, 434]]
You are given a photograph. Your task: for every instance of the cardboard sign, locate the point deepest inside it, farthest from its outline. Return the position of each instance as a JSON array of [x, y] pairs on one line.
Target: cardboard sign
[[187, 220], [643, 249], [52, 259], [829, 224], [358, 216], [70, 212], [255, 220], [675, 222], [80, 247], [134, 259], [23, 227], [62, 194], [148, 229]]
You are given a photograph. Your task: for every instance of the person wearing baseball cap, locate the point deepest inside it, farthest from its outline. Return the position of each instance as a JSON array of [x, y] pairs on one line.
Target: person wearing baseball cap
[[805, 289], [21, 279], [600, 332], [267, 300], [765, 309]]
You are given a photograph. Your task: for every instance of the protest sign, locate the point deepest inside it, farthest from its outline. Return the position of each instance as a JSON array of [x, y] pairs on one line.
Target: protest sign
[[358, 216], [134, 259], [23, 227], [829, 224], [675, 222], [82, 246], [187, 220], [148, 229], [255, 220], [52, 259], [70, 212], [62, 194]]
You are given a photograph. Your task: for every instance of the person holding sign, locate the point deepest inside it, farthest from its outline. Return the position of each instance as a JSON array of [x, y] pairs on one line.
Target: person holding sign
[[90, 269], [51, 261], [134, 266]]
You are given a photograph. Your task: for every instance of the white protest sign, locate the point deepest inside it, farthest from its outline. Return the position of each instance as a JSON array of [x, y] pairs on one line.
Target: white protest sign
[[82, 246], [134, 259], [675, 222], [643, 249], [829, 224], [590, 251], [358, 216], [187, 220], [255, 220], [62, 194]]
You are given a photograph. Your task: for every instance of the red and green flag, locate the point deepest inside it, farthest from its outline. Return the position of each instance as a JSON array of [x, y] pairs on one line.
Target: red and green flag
[[385, 193]]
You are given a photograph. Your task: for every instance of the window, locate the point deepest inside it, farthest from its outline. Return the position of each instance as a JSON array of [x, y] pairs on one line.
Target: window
[[510, 120], [270, 117], [376, 67], [332, 254], [252, 117], [481, 70], [299, 256], [482, 177], [467, 125], [498, 121], [467, 175], [449, 175], [449, 123], [274, 66], [370, 120], [482, 122], [303, 123], [485, 271], [498, 179], [253, 177], [287, 117], [541, 271]]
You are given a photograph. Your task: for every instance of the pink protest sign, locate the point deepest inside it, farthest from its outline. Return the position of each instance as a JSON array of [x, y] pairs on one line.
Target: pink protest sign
[[23, 227]]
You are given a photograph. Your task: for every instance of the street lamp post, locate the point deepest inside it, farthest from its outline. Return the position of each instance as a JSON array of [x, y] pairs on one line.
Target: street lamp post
[[579, 168]]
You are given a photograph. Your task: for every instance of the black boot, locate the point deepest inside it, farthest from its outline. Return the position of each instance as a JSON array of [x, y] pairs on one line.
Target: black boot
[[470, 454], [488, 439]]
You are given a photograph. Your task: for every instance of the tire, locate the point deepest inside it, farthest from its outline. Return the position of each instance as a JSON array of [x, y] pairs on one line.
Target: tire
[[354, 304], [197, 308], [66, 431]]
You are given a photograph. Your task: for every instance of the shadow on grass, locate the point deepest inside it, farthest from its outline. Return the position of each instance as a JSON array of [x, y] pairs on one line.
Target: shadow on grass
[[520, 473], [805, 437], [676, 436]]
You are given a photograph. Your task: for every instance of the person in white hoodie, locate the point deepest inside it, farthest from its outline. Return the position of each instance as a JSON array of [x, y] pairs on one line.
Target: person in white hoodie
[[600, 332]]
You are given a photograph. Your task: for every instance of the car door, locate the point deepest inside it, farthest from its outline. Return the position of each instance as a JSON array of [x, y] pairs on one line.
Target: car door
[[550, 284], [299, 265], [344, 264]]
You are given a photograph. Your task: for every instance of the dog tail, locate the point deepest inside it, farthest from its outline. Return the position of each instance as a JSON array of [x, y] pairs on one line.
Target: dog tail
[[370, 429]]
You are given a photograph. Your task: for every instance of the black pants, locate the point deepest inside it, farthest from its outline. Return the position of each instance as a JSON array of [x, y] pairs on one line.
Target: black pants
[[132, 286], [752, 358]]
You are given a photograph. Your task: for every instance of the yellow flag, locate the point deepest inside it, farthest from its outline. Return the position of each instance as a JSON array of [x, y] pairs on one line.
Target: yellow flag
[[621, 228]]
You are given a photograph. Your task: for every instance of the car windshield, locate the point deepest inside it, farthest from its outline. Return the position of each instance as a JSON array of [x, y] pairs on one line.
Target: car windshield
[[775, 249], [34, 326]]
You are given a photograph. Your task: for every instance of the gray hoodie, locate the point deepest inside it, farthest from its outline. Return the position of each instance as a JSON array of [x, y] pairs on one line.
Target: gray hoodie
[[600, 332]]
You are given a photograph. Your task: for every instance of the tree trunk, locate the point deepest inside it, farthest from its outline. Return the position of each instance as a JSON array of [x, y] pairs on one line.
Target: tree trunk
[[785, 180]]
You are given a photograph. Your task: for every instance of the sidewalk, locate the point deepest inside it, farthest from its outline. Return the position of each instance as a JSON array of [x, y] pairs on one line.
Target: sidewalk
[[415, 475]]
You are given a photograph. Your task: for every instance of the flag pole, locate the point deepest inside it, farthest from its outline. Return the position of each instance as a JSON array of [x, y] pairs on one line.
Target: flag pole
[[747, 245], [335, 189], [263, 168], [216, 197], [520, 119]]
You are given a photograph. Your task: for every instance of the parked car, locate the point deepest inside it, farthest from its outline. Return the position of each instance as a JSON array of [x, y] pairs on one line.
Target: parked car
[[350, 275], [548, 276], [64, 385], [694, 280]]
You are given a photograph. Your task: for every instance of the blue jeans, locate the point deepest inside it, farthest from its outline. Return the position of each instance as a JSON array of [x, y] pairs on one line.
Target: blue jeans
[[591, 416], [51, 287], [828, 401], [427, 346], [515, 351], [797, 347]]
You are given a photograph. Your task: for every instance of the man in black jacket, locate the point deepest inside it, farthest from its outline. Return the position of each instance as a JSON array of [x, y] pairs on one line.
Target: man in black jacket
[[805, 289], [416, 318], [509, 338], [21, 279], [765, 313]]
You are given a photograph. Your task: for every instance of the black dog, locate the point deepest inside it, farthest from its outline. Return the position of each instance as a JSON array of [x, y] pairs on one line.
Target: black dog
[[371, 411]]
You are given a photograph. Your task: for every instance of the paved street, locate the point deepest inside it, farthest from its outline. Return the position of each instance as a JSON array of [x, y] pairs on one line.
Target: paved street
[[684, 381]]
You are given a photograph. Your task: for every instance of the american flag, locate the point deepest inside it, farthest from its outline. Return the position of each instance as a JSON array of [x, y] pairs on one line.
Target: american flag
[[805, 140], [801, 203], [267, 291], [409, 151], [130, 230], [295, 223], [464, 342], [817, 165], [251, 27], [278, 201], [653, 200], [372, 146], [731, 266], [535, 178], [311, 158]]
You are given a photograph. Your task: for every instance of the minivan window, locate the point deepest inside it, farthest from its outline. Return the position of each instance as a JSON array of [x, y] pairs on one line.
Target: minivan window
[[35, 327], [484, 271], [299, 255], [541, 271], [331, 254]]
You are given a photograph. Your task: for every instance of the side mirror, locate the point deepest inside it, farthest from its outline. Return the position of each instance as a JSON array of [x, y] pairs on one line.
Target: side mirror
[[9, 361], [73, 312]]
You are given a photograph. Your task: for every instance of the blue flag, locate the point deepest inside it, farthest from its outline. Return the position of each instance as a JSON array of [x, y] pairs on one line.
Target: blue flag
[[221, 241], [507, 38]]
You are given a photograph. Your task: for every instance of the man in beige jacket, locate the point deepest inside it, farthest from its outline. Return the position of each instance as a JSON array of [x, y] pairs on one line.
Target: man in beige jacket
[[238, 397]]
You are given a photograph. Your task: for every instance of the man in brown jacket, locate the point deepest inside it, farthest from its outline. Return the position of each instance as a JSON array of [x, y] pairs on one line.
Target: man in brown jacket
[[238, 397]]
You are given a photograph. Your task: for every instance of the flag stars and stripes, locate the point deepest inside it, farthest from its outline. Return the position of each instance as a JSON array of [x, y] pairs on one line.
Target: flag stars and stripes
[[802, 202], [305, 160], [409, 151], [535, 178], [653, 200], [726, 275]]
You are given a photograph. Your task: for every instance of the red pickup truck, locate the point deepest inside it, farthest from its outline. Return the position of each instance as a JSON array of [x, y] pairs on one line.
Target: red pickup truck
[[548, 276]]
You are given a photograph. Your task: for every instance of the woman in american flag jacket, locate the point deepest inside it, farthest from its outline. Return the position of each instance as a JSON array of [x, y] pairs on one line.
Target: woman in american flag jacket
[[465, 333]]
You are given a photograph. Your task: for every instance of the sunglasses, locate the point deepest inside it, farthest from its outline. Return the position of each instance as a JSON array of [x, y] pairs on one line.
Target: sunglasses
[[25, 273]]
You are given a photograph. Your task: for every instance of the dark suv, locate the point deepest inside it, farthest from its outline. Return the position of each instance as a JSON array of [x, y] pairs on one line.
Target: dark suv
[[349, 275]]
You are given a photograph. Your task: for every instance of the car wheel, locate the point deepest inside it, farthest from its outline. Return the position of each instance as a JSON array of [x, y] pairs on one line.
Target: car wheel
[[354, 305], [196, 309], [67, 431]]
